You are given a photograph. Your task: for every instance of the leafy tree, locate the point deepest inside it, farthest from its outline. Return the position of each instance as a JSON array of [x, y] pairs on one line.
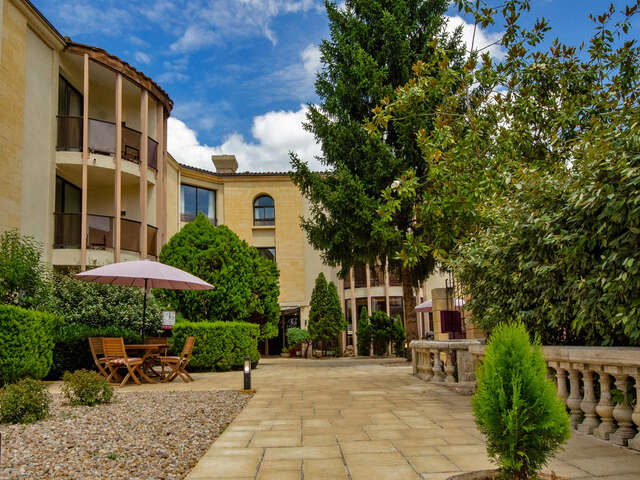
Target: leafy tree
[[515, 406], [371, 50], [246, 284], [23, 276], [364, 333], [326, 320], [532, 176], [99, 306]]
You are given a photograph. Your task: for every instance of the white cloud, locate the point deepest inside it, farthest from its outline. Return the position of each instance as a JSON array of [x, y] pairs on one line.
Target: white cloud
[[296, 80], [275, 134], [194, 37], [483, 40], [142, 57]]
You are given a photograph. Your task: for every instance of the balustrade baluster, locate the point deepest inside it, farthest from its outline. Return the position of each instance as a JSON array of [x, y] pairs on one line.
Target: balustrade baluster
[[605, 408], [635, 441], [438, 374], [448, 367], [622, 413], [561, 378], [574, 399], [588, 405], [428, 366]]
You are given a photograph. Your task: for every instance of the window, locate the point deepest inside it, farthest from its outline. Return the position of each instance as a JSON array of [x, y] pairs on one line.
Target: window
[[69, 99], [379, 304], [68, 197], [268, 252], [395, 308], [376, 273], [395, 276], [360, 275], [194, 200], [264, 211]]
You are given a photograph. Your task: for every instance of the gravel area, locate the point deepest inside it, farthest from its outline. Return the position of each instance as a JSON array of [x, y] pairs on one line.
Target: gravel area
[[139, 436]]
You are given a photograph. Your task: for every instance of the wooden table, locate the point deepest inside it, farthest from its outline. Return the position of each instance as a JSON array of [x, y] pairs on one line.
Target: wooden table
[[148, 349]]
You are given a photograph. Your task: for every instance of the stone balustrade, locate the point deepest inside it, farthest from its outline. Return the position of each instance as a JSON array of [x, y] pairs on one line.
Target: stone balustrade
[[585, 377], [444, 361]]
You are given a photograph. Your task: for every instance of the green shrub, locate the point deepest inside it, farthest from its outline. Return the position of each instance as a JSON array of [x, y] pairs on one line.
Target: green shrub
[[297, 336], [101, 306], [247, 287], [86, 387], [23, 276], [515, 405], [363, 332], [24, 402], [26, 343], [72, 352], [326, 320], [219, 345], [385, 329]]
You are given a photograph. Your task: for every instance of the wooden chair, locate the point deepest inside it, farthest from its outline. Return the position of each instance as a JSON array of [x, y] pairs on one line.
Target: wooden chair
[[97, 352], [154, 358], [178, 364], [116, 357]]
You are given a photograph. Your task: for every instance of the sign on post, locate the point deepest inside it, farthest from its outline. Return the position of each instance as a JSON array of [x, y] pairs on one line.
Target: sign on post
[[168, 319]]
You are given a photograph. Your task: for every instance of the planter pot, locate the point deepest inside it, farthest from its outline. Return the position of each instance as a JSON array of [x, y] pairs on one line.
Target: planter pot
[[286, 355], [491, 474]]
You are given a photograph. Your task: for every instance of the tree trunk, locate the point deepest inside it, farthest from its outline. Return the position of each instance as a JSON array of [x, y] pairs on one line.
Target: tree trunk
[[409, 306]]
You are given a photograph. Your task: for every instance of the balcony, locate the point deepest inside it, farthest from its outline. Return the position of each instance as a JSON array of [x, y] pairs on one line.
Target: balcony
[[102, 139], [101, 233]]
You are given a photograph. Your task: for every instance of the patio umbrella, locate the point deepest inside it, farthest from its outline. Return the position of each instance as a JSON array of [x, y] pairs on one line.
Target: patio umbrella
[[144, 274], [428, 305]]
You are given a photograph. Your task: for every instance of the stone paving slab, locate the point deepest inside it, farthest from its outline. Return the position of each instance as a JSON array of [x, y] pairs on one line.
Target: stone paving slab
[[362, 419]]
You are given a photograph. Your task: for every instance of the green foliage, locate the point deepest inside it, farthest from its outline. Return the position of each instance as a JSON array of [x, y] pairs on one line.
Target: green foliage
[[26, 337], [363, 332], [385, 329], [246, 284], [532, 175], [297, 336], [86, 387], [26, 401], [515, 406], [326, 320], [98, 305], [370, 52], [71, 351], [219, 345], [23, 276]]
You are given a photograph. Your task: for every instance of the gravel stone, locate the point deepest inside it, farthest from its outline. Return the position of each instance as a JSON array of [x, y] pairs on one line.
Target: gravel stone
[[139, 436]]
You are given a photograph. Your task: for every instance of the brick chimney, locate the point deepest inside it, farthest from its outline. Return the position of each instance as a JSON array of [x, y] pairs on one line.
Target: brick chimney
[[225, 163]]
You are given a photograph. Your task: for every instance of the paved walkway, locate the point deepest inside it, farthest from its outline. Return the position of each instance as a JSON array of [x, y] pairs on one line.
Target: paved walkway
[[358, 419]]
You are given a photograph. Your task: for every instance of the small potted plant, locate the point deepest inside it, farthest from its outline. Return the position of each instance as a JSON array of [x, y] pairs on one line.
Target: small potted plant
[[284, 352], [516, 407]]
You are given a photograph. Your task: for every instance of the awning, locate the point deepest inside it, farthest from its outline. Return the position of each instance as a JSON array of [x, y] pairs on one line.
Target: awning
[[428, 305]]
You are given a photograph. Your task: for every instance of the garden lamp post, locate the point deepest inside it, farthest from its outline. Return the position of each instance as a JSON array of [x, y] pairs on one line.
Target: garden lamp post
[[247, 373]]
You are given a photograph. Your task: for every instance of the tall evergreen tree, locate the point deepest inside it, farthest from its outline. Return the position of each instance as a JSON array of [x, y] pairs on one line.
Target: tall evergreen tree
[[372, 47], [326, 320]]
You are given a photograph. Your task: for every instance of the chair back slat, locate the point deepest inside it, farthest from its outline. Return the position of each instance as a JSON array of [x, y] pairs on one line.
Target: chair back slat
[[187, 349], [95, 344], [114, 348]]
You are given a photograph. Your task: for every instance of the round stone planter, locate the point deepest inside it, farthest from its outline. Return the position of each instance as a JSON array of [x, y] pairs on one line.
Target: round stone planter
[[491, 474], [286, 355]]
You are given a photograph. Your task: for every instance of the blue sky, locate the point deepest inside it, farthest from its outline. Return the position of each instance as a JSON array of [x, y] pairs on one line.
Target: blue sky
[[241, 71]]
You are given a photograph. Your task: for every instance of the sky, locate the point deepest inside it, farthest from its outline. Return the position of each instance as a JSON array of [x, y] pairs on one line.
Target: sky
[[241, 72]]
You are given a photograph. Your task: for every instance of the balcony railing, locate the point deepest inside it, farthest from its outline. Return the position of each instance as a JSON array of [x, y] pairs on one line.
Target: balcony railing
[[101, 233], [102, 139]]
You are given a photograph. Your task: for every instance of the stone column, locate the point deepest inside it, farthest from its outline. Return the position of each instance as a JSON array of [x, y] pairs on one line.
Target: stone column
[[623, 414], [438, 374], [448, 366], [144, 162], [588, 405], [85, 162], [635, 441], [118, 174], [354, 312], [605, 408], [415, 357], [574, 400], [386, 287]]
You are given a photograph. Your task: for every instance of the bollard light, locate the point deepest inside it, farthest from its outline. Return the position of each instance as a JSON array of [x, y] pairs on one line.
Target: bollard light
[[247, 373]]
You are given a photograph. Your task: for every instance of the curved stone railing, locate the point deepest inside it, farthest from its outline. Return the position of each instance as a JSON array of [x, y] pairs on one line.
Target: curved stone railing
[[444, 361], [586, 377]]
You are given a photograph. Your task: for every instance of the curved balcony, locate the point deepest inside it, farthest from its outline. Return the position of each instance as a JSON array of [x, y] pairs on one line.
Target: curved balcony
[[101, 233], [102, 139]]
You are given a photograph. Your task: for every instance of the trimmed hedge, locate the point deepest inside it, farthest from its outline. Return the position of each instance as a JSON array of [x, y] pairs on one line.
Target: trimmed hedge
[[26, 343], [72, 352], [219, 345]]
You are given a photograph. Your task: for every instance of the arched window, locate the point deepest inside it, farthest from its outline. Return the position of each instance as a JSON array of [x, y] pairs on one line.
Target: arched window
[[264, 211]]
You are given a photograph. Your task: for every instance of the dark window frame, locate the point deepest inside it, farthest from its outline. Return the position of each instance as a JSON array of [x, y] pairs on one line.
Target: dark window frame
[[68, 86], [62, 193], [264, 221], [261, 251], [187, 217]]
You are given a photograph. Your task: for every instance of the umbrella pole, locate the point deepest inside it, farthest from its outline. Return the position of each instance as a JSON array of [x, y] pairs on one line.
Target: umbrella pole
[[144, 309]]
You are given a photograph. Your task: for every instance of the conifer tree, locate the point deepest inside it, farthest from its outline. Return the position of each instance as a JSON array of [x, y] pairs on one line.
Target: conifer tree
[[372, 48], [326, 320]]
